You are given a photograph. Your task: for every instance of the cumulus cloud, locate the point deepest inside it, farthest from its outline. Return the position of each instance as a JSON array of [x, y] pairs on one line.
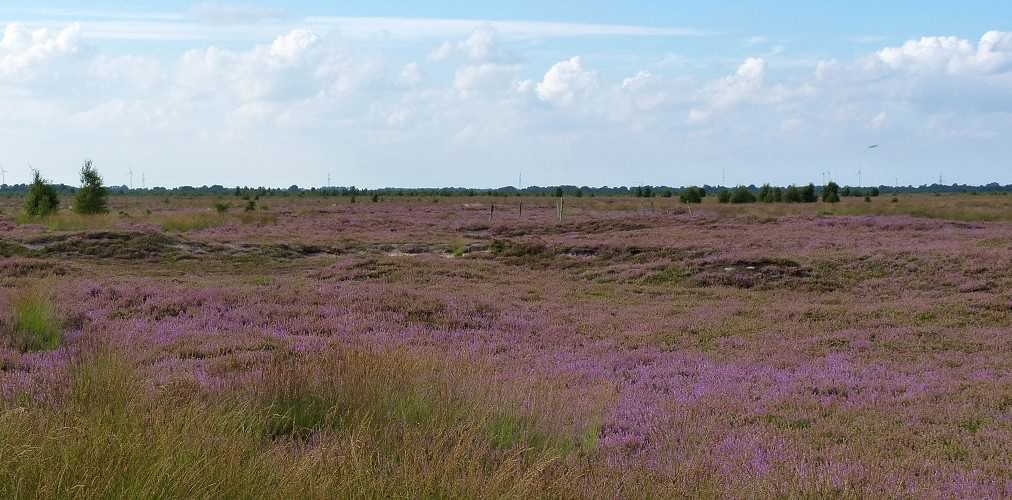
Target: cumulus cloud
[[323, 86], [24, 52], [481, 45], [952, 55], [566, 82]]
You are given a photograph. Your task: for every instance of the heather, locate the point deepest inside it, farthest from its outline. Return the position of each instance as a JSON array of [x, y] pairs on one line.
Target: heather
[[406, 348]]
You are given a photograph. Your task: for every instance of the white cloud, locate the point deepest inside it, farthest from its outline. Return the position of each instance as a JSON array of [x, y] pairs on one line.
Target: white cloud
[[566, 82], [23, 52], [951, 55], [221, 14], [745, 82]]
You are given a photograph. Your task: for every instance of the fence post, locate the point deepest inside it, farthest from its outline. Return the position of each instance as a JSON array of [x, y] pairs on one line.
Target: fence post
[[491, 212]]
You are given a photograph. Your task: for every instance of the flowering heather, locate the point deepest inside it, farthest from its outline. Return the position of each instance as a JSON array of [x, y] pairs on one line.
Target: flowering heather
[[409, 348]]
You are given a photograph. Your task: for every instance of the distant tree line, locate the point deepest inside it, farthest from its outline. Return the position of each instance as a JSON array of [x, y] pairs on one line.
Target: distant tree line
[[765, 193]]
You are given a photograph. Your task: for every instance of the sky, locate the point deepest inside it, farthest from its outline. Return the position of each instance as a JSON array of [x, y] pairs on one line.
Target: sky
[[482, 94]]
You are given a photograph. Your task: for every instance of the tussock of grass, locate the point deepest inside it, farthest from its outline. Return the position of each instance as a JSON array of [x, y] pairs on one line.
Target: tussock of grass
[[362, 425], [34, 321]]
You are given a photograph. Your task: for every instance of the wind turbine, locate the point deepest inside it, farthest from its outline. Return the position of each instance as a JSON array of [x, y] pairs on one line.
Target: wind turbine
[[3, 176], [130, 172]]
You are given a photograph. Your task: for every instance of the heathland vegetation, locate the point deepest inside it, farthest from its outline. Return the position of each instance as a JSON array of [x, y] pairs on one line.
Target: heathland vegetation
[[793, 342]]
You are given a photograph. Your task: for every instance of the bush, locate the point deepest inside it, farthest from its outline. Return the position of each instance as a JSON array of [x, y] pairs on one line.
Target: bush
[[91, 198], [691, 194], [766, 194], [792, 195], [808, 194], [741, 194], [724, 196], [41, 199], [831, 193], [778, 195], [222, 207], [873, 192], [251, 206]]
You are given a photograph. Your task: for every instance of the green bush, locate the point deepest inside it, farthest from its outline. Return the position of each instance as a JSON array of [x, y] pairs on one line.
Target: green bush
[[792, 194], [742, 194], [724, 196], [221, 207], [831, 193], [41, 199], [691, 194], [808, 194], [91, 198]]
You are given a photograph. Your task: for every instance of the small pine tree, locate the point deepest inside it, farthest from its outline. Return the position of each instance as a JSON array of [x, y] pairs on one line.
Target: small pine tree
[[91, 198], [741, 194], [792, 195], [691, 194], [41, 199], [724, 196], [831, 193], [808, 194]]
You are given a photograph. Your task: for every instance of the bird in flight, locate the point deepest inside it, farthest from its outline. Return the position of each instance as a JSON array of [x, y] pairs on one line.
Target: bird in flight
[[873, 146]]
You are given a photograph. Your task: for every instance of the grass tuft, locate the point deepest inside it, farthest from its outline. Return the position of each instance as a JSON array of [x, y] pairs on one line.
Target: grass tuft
[[35, 324]]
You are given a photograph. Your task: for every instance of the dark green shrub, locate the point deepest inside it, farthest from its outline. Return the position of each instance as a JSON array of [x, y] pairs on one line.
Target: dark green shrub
[[778, 195], [691, 194], [742, 194], [251, 206], [808, 194], [831, 193], [724, 196], [41, 199], [91, 198], [792, 195], [765, 194], [221, 207]]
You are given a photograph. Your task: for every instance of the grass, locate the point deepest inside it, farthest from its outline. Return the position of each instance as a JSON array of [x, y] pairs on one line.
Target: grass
[[360, 426], [169, 222], [34, 324]]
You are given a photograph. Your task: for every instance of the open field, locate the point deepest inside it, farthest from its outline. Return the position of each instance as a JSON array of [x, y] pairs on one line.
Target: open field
[[413, 348]]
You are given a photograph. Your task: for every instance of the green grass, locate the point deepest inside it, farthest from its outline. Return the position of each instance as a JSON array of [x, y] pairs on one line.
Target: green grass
[[360, 426], [35, 324]]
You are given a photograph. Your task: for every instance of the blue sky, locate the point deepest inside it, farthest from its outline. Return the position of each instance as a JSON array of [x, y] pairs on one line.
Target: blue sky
[[473, 93]]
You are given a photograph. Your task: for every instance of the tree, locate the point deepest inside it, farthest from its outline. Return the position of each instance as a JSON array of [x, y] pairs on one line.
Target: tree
[[41, 198], [808, 194], [792, 195], [558, 191], [724, 196], [873, 192], [691, 194], [742, 194], [91, 198], [778, 195], [766, 193], [831, 193]]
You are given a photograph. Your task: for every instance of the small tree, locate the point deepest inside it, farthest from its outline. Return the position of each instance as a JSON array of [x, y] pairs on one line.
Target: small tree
[[41, 198], [724, 196], [766, 193], [91, 198], [792, 195], [741, 194], [808, 194], [691, 194], [831, 193]]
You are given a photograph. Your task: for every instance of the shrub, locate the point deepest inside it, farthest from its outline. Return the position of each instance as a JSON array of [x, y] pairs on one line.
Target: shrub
[[41, 199], [221, 207], [91, 198], [831, 193], [691, 194], [873, 192], [792, 195], [766, 194], [375, 198], [808, 194], [778, 195], [251, 206], [724, 196], [742, 194]]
